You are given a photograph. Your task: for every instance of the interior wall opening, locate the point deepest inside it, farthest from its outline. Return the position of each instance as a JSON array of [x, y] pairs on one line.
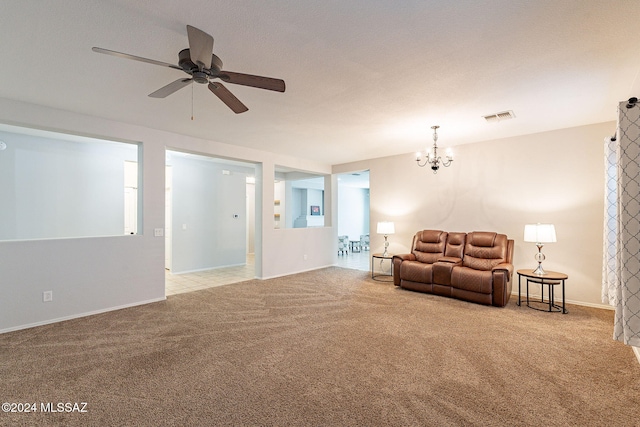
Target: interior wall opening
[[210, 221], [353, 220], [299, 199], [58, 185]]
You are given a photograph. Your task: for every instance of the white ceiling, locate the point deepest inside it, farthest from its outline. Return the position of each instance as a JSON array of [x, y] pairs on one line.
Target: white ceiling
[[365, 78]]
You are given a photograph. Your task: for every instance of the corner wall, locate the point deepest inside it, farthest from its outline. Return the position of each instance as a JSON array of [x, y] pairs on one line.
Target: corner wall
[[501, 185]]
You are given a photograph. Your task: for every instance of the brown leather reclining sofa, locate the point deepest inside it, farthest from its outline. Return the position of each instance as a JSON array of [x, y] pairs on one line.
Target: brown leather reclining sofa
[[475, 266]]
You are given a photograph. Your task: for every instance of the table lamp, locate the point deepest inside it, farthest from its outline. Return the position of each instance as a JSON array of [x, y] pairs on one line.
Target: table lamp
[[386, 228], [539, 234]]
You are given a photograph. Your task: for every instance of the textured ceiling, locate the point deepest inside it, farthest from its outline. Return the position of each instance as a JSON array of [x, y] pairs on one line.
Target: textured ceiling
[[365, 78]]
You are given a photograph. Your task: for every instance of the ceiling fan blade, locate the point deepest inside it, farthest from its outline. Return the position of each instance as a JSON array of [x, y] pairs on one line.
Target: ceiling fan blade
[[227, 97], [167, 90], [200, 47], [135, 58], [253, 81]]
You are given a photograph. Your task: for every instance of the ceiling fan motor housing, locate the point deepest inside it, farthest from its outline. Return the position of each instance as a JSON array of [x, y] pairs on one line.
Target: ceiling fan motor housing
[[199, 76]]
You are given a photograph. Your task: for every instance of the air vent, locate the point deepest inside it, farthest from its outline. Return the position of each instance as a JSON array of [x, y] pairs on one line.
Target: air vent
[[498, 117]]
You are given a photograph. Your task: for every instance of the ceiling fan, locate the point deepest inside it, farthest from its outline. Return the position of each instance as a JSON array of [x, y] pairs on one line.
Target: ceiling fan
[[203, 66]]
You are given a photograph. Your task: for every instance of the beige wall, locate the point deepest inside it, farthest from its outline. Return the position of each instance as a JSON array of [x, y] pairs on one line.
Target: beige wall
[[501, 185]]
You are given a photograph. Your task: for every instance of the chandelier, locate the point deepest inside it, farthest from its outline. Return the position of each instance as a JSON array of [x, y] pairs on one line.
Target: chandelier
[[431, 157]]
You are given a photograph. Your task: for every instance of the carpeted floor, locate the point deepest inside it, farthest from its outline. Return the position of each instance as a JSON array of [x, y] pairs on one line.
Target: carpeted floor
[[325, 348]]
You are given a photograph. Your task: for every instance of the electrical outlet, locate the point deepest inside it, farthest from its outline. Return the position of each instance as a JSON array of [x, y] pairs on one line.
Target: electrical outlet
[[47, 296], [158, 232]]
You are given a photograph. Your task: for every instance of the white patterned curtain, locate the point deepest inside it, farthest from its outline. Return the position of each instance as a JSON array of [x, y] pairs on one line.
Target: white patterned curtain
[[609, 266], [621, 264]]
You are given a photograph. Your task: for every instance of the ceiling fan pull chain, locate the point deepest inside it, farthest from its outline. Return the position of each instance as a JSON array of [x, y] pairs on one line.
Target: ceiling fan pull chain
[[191, 101]]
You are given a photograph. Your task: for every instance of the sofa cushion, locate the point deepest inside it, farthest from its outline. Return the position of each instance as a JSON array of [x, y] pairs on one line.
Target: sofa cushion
[[429, 245], [416, 271], [484, 250], [472, 280], [483, 239], [455, 245]]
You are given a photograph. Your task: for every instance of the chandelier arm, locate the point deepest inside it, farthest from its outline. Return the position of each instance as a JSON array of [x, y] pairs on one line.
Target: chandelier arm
[[426, 162]]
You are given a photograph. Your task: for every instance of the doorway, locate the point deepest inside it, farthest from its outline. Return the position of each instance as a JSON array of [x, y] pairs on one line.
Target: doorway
[[353, 220], [208, 230]]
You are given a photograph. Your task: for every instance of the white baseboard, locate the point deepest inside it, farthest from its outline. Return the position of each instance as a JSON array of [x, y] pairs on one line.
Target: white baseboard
[[568, 301], [295, 272], [636, 350], [76, 316], [198, 270], [589, 304]]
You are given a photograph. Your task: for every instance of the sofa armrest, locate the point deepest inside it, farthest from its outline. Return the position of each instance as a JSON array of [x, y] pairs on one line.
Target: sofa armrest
[[405, 257], [502, 274], [504, 267], [397, 261], [450, 259], [443, 268]]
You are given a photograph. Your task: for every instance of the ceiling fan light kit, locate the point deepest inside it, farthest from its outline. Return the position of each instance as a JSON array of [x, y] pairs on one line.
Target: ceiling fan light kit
[[199, 62]]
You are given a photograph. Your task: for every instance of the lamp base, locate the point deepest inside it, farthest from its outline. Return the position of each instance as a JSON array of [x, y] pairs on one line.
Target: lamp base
[[539, 271], [386, 246], [539, 257]]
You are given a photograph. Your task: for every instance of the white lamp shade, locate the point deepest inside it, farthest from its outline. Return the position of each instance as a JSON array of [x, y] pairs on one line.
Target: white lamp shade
[[386, 227], [539, 233]]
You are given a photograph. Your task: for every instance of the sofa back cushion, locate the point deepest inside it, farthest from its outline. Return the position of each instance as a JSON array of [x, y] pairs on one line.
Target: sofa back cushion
[[455, 245], [484, 250], [429, 245]]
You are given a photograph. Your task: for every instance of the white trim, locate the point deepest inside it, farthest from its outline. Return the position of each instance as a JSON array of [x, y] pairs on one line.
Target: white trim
[[589, 304], [569, 301], [636, 350], [296, 272], [198, 270], [75, 316]]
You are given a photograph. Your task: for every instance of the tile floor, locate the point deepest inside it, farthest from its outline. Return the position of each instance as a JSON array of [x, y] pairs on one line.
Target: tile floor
[[187, 282], [355, 260]]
